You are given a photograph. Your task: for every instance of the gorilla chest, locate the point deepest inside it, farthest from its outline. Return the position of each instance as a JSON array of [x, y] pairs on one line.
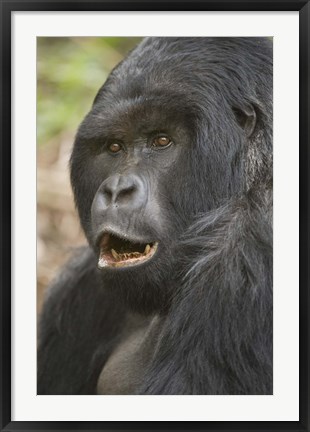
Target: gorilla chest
[[125, 369]]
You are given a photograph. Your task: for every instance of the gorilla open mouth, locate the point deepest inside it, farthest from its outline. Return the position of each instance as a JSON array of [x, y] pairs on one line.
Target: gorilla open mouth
[[118, 252]]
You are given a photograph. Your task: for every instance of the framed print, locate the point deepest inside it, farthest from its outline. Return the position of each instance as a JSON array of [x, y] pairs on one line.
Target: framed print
[[147, 282]]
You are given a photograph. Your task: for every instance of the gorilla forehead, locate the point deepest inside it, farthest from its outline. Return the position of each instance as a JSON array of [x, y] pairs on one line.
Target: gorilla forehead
[[124, 118]]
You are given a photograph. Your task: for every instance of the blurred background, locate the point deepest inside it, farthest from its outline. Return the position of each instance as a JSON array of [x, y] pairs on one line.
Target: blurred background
[[70, 71]]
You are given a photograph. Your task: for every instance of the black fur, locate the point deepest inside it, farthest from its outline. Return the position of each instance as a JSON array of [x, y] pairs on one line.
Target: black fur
[[208, 201]]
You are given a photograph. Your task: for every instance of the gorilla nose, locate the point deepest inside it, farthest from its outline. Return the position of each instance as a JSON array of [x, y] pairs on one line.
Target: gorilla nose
[[120, 191]]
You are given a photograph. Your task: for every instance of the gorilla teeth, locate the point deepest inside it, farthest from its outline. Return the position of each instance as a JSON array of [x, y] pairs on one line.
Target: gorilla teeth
[[113, 258], [123, 256], [115, 254]]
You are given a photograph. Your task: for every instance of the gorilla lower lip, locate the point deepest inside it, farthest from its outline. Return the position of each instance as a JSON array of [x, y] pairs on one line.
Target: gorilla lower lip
[[116, 252]]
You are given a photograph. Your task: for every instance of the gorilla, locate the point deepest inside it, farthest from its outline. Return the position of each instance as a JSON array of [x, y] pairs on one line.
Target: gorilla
[[172, 178]]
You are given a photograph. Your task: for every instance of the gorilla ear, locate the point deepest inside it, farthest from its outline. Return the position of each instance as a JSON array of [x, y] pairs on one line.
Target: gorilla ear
[[246, 117]]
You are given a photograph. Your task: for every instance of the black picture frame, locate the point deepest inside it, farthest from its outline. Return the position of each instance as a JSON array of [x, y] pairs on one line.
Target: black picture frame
[[7, 7]]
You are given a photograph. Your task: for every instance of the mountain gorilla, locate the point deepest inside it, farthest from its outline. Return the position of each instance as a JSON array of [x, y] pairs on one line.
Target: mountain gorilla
[[172, 178]]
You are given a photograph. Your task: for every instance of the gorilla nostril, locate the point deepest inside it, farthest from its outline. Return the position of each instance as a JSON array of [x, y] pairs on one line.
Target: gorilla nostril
[[108, 194], [126, 191], [125, 194]]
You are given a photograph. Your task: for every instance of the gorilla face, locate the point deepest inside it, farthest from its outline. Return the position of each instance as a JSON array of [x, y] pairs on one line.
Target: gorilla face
[[130, 209], [128, 171]]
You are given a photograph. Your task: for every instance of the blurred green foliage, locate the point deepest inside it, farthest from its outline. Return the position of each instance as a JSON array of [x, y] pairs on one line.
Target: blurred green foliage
[[70, 71]]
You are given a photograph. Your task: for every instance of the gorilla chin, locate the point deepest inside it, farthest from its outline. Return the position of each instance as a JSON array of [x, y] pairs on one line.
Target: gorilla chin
[[137, 269], [141, 280]]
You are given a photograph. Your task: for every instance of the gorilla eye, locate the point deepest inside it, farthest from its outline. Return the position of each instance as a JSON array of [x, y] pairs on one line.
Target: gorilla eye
[[161, 141], [114, 147]]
